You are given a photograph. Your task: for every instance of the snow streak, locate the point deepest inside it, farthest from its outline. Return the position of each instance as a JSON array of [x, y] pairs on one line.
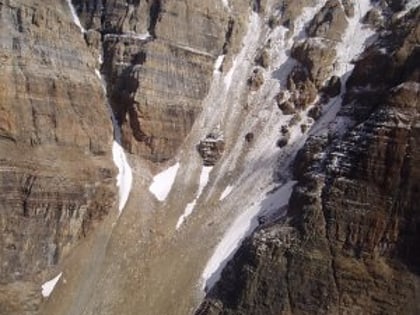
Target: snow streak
[[49, 286], [76, 19]]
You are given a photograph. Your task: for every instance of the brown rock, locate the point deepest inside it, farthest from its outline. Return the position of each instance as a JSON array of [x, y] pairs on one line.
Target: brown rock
[[211, 149], [56, 172], [330, 22], [256, 80]]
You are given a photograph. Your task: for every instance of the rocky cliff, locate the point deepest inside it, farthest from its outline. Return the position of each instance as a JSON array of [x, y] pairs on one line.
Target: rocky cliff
[[158, 60], [55, 138], [274, 151], [347, 244]]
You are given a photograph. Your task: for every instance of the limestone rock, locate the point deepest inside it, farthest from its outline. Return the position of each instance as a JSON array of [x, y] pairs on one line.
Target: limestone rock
[[211, 149], [256, 80], [156, 83], [330, 22], [56, 172], [317, 56], [347, 244]]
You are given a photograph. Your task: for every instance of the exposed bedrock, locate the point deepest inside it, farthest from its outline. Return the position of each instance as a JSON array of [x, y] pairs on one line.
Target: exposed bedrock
[[56, 172], [347, 244], [158, 61]]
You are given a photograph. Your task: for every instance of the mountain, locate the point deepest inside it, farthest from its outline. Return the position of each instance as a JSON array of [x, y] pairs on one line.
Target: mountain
[[220, 157]]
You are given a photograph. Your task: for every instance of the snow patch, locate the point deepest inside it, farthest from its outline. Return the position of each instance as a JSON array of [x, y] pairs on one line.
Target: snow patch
[[218, 63], [49, 286], [204, 178], [125, 175], [351, 46], [253, 29], [130, 35], [242, 227], [162, 182], [187, 212], [226, 192], [76, 19]]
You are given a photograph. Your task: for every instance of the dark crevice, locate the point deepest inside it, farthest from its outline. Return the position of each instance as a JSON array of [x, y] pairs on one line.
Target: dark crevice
[[228, 35], [154, 16]]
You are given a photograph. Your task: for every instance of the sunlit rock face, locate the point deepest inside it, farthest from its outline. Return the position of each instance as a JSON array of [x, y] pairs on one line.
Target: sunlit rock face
[[346, 245], [241, 102], [56, 174], [158, 61]]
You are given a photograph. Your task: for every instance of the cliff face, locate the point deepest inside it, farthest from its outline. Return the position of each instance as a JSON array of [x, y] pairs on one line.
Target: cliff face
[[56, 174], [158, 61], [242, 98], [347, 243]]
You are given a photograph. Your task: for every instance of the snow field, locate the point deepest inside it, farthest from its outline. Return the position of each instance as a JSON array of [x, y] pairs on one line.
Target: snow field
[[267, 152]]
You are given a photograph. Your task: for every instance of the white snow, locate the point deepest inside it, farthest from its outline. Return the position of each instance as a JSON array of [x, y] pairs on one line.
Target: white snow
[[218, 63], [352, 45], [75, 17], [347, 50], [187, 212], [226, 4], [130, 35], [162, 182], [204, 178], [243, 226], [248, 41], [49, 286], [267, 156], [226, 192], [125, 175], [410, 4]]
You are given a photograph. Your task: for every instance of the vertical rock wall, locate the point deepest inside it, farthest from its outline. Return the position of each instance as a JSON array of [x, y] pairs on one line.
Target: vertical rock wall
[[56, 173]]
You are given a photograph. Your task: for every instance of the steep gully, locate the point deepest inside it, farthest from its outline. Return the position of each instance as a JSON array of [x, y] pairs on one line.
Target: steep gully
[[123, 181], [252, 171]]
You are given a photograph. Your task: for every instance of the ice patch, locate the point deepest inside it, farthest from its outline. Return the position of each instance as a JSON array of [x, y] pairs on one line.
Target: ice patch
[[243, 226], [76, 19], [162, 182], [49, 286], [226, 192]]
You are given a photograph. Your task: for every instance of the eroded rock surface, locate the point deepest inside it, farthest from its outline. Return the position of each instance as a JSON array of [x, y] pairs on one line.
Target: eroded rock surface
[[56, 172], [346, 245]]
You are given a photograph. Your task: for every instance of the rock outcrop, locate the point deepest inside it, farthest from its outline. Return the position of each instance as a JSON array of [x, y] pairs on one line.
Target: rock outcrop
[[56, 172], [158, 61], [347, 243], [211, 149]]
